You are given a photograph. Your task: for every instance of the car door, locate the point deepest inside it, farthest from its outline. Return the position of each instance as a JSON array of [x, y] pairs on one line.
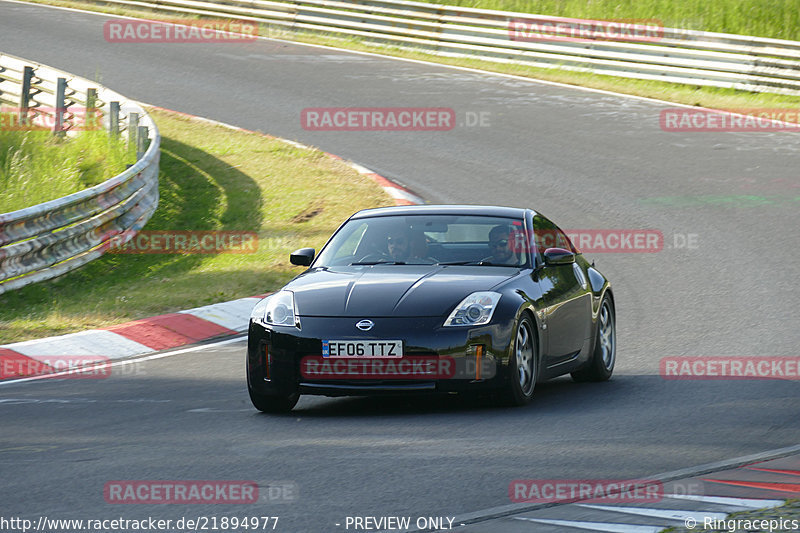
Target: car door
[[567, 298]]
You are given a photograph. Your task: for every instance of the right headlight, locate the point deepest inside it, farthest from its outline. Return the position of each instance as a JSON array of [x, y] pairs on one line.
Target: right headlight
[[474, 310], [277, 310]]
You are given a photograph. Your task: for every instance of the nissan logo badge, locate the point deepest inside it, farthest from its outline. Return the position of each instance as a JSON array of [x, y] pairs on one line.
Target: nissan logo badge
[[365, 325]]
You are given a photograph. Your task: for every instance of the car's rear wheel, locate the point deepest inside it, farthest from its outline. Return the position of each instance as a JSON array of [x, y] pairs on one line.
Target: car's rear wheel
[[524, 365], [269, 403], [601, 365]]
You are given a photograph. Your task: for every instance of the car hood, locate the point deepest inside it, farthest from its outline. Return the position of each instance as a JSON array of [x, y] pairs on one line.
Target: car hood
[[391, 290]]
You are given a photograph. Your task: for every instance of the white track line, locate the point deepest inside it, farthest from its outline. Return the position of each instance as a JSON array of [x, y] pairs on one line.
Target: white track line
[[667, 514], [742, 503], [131, 361], [595, 526]]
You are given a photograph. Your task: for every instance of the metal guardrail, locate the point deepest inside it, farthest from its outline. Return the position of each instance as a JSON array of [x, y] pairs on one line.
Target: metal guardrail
[[47, 240], [677, 55]]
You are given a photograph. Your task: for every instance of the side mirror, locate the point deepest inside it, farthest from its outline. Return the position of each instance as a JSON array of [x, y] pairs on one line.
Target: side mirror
[[558, 256], [302, 257]]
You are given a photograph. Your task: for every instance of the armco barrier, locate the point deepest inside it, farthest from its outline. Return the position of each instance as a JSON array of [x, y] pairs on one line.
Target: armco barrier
[[50, 239], [674, 55]]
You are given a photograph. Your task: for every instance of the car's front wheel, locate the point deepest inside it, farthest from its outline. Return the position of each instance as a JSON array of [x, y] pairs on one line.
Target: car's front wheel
[[269, 403], [601, 365], [524, 365]]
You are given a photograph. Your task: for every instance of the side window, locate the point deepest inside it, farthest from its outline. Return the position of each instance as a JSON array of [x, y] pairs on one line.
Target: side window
[[548, 235]]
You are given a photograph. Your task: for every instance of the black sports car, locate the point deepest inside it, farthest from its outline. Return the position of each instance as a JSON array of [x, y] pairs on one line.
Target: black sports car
[[433, 299]]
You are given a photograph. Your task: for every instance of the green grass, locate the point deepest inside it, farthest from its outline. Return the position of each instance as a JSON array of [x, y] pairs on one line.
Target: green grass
[[36, 166], [779, 19], [212, 178]]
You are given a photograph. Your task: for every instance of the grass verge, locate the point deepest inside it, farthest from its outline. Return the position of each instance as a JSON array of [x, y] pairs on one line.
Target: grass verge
[[212, 178], [694, 95], [779, 19], [36, 166]]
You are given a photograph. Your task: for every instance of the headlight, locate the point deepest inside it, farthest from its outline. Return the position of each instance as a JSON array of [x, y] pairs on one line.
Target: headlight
[[474, 310], [260, 309], [277, 310]]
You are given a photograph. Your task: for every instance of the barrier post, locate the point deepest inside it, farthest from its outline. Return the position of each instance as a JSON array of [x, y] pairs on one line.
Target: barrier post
[[25, 95], [61, 92]]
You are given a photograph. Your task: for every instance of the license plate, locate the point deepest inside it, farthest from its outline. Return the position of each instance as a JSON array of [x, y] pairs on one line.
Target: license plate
[[362, 349]]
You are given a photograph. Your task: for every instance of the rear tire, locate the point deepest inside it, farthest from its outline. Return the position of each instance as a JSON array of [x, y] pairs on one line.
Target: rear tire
[[604, 356], [524, 365]]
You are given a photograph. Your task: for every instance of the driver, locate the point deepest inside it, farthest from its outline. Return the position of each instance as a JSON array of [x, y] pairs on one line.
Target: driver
[[399, 245], [407, 245], [500, 246]]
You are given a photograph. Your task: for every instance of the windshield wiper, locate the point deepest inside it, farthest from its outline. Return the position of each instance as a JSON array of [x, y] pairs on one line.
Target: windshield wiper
[[378, 263], [453, 263], [477, 263]]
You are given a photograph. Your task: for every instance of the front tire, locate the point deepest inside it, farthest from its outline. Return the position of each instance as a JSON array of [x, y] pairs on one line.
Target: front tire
[[270, 403], [273, 403], [524, 365], [604, 356]]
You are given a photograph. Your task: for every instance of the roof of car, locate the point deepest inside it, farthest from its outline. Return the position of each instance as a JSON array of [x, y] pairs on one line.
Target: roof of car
[[486, 210]]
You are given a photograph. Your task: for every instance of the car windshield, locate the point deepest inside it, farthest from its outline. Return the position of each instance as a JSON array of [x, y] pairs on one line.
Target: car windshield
[[428, 239]]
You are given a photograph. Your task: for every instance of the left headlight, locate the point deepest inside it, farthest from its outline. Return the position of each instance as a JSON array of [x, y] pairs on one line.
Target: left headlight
[[474, 310], [277, 310]]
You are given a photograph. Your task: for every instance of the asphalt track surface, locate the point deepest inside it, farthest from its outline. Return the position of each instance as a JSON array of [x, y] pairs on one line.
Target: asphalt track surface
[[585, 159]]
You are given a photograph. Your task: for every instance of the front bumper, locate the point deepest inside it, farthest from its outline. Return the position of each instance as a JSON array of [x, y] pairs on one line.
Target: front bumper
[[275, 356]]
